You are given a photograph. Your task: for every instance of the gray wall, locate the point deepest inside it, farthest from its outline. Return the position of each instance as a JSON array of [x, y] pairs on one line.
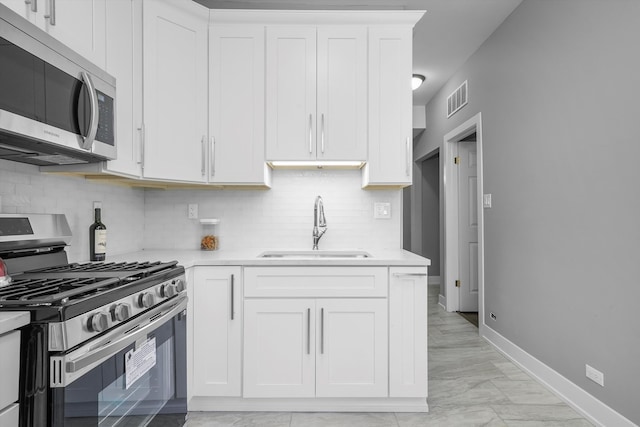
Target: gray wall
[[558, 87]]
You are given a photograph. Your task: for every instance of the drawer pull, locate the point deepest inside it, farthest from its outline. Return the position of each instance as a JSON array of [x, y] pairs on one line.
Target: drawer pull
[[409, 274]]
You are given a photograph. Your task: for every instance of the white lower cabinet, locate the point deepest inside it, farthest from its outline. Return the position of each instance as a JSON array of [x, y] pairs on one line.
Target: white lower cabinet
[[279, 348], [217, 331], [315, 347], [408, 332], [352, 357], [312, 338]]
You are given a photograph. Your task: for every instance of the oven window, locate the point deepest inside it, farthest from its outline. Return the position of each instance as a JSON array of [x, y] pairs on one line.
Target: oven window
[[157, 397], [142, 401]]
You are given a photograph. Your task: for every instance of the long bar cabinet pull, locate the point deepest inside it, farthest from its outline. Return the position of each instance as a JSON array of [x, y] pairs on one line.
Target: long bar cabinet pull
[[51, 16], [310, 133], [213, 156], [322, 331], [308, 331], [232, 295], [33, 3], [322, 134], [203, 155], [142, 143], [409, 274]]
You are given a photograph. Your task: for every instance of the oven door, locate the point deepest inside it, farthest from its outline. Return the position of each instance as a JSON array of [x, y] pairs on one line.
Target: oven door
[[134, 376]]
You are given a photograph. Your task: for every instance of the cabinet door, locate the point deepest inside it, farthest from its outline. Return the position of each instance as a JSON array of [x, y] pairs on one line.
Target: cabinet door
[[352, 348], [390, 107], [175, 90], [124, 62], [342, 93], [217, 331], [291, 93], [78, 24], [408, 332], [236, 97], [279, 348]]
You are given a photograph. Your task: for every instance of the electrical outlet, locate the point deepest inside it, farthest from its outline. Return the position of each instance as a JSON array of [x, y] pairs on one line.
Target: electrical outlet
[[193, 211], [493, 316], [594, 375], [486, 200], [381, 210]]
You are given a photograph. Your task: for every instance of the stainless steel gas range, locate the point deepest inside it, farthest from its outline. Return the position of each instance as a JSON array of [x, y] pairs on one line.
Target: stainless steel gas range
[[107, 341]]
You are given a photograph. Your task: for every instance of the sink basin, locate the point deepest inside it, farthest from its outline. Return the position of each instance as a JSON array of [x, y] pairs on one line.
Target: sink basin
[[314, 254]]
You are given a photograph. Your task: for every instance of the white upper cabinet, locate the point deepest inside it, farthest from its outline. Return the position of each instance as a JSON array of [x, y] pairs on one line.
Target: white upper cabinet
[[316, 92], [291, 93], [124, 62], [236, 99], [78, 24], [175, 90], [390, 107], [342, 93]]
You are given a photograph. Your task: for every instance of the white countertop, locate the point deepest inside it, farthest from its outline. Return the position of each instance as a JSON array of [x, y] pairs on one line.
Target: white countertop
[[191, 258], [10, 320]]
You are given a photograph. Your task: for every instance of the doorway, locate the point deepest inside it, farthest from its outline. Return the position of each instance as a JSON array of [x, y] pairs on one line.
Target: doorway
[[463, 218]]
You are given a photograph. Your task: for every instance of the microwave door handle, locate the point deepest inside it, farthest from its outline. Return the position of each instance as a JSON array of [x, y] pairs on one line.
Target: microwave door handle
[[93, 119], [99, 354]]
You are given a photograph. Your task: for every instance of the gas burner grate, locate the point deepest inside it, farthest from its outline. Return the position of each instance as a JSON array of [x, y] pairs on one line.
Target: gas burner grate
[[141, 269], [53, 291]]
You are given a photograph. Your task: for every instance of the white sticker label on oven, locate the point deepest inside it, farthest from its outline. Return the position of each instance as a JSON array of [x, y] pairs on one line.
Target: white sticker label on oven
[[138, 362]]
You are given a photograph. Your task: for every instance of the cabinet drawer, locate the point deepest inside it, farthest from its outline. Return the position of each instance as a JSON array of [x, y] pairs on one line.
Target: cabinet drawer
[[315, 281], [9, 368]]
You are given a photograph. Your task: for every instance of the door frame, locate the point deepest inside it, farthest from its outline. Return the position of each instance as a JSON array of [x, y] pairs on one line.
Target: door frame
[[450, 207]]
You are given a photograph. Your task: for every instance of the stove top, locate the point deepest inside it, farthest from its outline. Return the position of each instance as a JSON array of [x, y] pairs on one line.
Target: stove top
[[61, 292], [63, 284]]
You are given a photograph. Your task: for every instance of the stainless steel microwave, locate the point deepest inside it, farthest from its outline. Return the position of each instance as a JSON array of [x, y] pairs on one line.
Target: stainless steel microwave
[[55, 106]]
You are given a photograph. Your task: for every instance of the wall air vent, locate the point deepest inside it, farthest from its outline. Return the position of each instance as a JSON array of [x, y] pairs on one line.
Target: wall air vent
[[457, 99]]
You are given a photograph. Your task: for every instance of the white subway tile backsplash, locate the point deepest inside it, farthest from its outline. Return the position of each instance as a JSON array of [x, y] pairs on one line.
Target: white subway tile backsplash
[[25, 190], [281, 217]]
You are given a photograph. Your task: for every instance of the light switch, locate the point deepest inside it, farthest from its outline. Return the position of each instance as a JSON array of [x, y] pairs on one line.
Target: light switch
[[486, 201], [381, 210]]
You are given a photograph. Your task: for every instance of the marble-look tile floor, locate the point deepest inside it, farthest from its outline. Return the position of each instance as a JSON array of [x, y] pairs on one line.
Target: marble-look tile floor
[[470, 384]]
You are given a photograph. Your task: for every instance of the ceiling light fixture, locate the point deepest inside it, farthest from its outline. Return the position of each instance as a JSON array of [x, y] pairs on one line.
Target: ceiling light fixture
[[416, 81]]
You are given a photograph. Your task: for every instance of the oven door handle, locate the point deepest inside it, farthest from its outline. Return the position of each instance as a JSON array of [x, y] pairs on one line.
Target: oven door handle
[[147, 323]]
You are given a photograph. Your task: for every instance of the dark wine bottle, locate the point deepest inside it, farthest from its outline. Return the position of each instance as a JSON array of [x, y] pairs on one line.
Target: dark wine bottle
[[97, 238]]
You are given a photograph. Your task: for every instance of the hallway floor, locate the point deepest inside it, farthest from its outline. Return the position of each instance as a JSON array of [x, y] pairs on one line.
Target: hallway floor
[[470, 384]]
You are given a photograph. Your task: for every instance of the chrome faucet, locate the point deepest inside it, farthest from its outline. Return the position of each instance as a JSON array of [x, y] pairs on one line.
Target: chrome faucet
[[318, 221]]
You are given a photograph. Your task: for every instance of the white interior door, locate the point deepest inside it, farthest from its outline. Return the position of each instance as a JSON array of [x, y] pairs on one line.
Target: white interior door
[[468, 225]]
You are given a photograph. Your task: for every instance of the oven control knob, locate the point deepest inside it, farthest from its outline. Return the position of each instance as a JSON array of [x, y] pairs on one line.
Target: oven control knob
[[145, 300], [179, 284], [121, 312], [98, 322], [169, 290]]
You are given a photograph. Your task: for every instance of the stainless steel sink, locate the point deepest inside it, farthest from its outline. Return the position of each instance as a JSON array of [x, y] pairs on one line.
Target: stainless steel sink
[[314, 254]]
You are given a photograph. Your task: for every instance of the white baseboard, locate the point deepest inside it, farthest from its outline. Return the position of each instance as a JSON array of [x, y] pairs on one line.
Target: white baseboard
[[433, 280], [591, 408], [442, 302]]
